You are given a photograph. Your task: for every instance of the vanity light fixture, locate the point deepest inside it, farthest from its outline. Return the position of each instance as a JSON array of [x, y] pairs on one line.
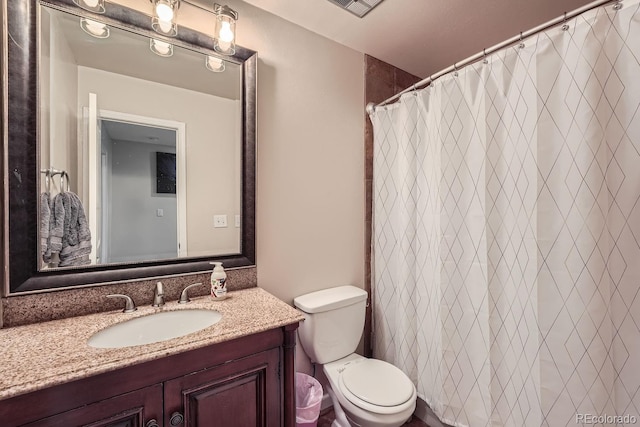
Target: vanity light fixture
[[95, 6], [94, 28], [214, 64], [161, 48], [225, 36], [164, 17]]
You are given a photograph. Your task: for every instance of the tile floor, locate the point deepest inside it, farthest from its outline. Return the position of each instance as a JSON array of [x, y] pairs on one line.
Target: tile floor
[[327, 417]]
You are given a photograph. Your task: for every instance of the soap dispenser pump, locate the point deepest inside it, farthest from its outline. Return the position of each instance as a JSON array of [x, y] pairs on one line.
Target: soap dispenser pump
[[218, 282]]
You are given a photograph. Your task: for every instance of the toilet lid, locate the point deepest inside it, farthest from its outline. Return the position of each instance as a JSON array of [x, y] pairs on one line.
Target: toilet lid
[[378, 383]]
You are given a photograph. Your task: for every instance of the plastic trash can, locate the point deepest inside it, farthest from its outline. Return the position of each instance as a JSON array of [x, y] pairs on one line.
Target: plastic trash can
[[308, 400]]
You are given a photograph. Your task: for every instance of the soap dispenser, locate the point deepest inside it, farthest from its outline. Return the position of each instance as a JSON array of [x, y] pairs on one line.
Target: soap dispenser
[[218, 282]]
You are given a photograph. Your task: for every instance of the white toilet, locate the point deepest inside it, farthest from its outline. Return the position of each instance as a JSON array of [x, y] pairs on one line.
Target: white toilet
[[372, 393]]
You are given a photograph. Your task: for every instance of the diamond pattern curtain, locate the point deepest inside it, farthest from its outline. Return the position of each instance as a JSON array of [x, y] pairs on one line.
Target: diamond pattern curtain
[[507, 231]]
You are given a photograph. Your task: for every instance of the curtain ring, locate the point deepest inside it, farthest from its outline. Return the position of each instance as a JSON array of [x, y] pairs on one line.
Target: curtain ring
[[455, 70], [618, 5], [521, 45], [565, 26], [484, 53]]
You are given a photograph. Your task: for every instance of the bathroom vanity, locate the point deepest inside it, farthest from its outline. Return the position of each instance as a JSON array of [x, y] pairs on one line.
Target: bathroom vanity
[[237, 372]]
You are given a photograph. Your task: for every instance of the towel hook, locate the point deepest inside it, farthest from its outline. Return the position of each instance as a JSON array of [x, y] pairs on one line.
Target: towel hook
[[47, 180], [64, 181]]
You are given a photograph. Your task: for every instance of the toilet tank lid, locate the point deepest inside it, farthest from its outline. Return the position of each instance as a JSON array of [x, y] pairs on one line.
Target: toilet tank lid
[[329, 299]]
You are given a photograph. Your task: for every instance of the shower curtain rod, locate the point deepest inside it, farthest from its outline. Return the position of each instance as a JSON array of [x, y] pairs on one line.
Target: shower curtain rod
[[485, 52]]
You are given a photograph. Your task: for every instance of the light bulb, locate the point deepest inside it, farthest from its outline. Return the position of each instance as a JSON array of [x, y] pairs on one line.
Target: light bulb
[[161, 48], [96, 28], [164, 12], [226, 34], [224, 46], [96, 6], [215, 64], [165, 26]]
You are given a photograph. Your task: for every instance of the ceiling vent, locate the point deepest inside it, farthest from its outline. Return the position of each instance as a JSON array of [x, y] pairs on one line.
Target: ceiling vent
[[357, 7]]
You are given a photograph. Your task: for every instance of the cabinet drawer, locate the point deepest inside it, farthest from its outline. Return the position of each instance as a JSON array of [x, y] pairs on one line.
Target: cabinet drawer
[[133, 409]]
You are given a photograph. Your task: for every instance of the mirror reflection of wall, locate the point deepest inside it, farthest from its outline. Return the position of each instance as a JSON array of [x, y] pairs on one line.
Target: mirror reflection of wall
[[129, 80]]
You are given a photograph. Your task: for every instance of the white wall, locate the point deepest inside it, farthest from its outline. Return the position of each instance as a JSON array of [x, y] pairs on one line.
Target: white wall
[[211, 164], [59, 125], [310, 210], [44, 108]]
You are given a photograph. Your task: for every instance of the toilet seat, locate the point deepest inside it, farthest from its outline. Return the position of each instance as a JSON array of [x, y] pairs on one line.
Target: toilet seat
[[376, 386]]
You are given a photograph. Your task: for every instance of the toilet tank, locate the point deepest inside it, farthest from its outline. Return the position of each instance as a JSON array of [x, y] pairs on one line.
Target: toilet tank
[[333, 322]]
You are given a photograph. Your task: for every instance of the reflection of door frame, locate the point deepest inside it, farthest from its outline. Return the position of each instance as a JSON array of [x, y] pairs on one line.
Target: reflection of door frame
[[181, 163]]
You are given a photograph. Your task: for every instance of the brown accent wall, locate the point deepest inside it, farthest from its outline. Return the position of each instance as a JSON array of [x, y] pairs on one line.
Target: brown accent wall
[[381, 81]]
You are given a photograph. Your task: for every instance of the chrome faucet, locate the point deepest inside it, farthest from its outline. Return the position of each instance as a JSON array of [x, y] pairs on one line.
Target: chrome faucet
[[129, 306], [158, 295], [184, 296]]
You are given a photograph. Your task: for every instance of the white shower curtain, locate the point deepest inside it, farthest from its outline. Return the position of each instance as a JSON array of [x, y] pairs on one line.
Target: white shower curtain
[[507, 231]]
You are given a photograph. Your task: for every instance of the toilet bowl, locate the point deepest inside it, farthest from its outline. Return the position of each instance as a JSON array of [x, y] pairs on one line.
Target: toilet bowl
[[372, 393]]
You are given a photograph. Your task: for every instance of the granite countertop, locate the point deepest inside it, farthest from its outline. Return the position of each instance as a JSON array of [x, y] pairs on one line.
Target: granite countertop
[[44, 354]]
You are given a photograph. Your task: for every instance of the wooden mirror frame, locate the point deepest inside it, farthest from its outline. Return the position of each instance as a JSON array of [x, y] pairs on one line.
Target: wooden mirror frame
[[21, 154]]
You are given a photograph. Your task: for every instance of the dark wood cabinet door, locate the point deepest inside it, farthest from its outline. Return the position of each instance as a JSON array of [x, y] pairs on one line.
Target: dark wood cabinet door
[[134, 409], [241, 393]]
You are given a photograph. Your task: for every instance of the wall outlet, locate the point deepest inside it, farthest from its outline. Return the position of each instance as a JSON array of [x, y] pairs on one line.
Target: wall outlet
[[219, 221], [237, 221]]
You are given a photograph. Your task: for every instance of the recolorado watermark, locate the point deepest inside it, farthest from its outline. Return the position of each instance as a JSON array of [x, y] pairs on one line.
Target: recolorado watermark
[[590, 419]]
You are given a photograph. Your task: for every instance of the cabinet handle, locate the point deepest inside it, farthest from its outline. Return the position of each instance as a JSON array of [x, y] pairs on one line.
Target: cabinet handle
[[152, 423], [176, 419]]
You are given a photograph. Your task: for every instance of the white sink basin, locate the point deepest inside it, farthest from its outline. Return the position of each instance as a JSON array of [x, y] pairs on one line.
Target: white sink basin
[[157, 327]]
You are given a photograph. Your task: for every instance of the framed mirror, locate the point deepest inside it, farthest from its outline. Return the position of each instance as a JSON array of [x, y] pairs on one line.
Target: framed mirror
[[138, 135]]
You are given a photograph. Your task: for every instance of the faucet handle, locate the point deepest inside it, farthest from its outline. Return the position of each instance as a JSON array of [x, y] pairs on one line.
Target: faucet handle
[[129, 305], [184, 297]]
